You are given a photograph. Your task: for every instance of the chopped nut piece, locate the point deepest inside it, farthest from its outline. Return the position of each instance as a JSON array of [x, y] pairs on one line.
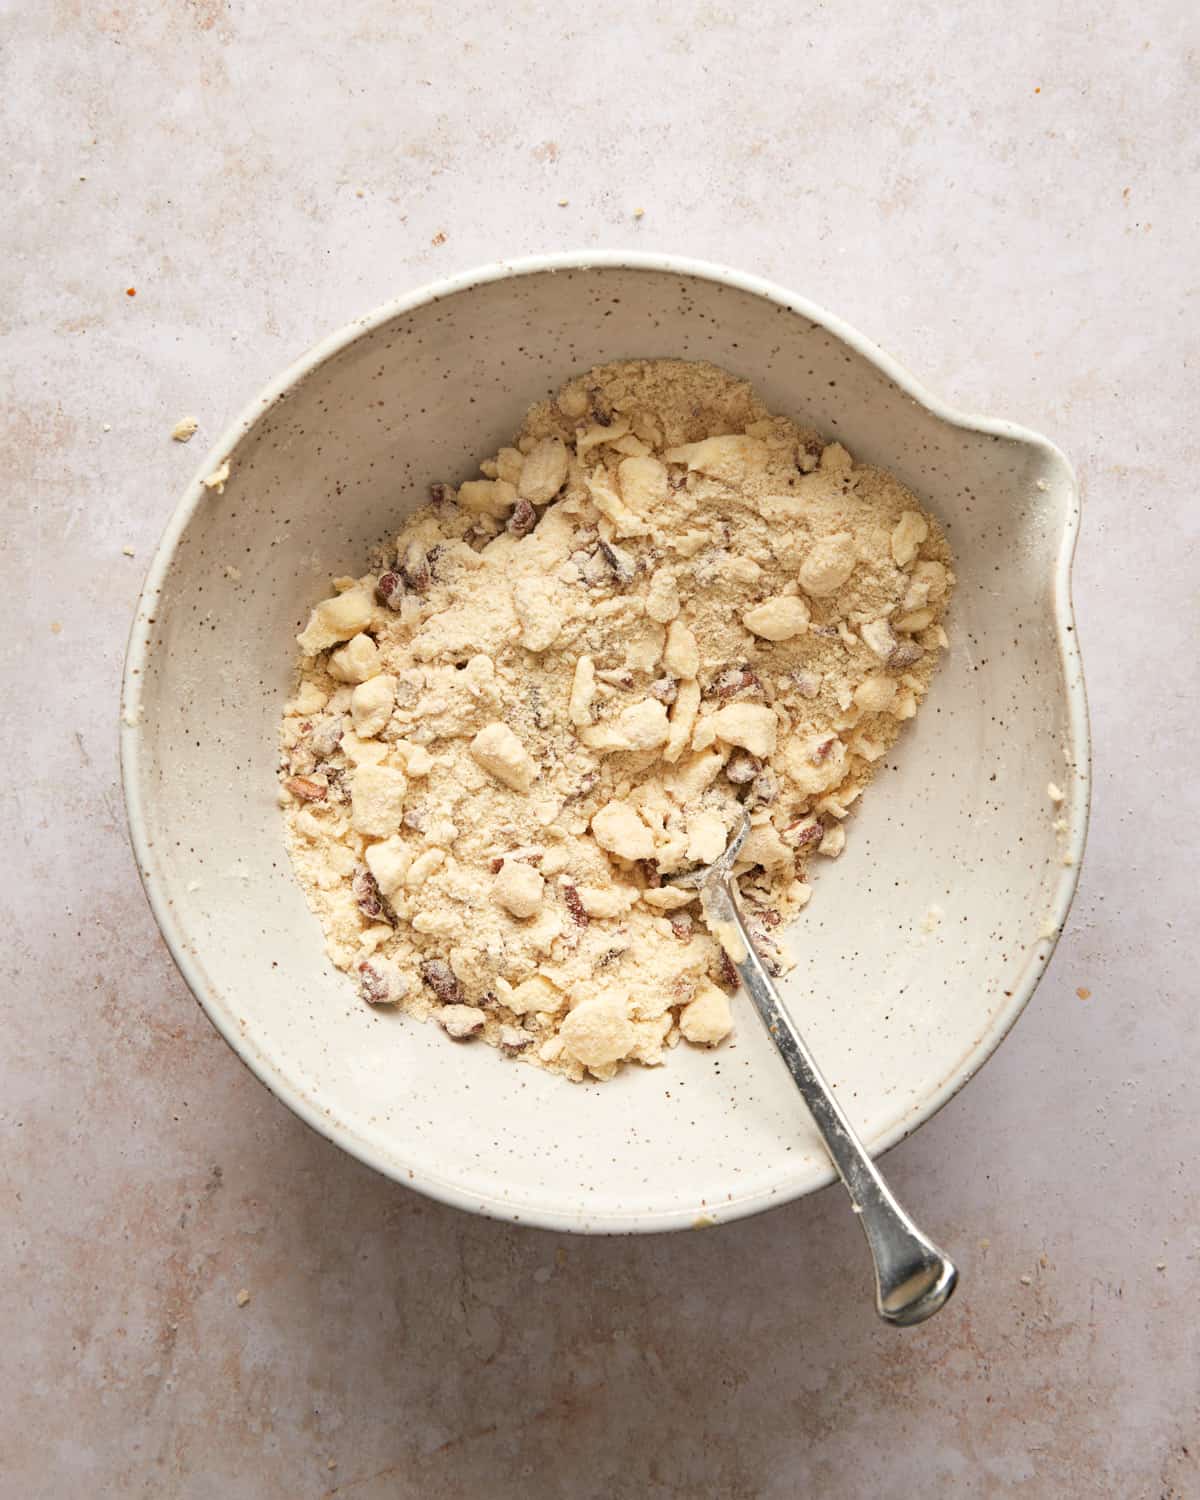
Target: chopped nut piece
[[735, 681], [574, 903], [391, 590], [878, 636], [523, 519], [380, 981], [620, 564], [741, 768], [441, 979], [366, 894], [306, 789], [803, 835]]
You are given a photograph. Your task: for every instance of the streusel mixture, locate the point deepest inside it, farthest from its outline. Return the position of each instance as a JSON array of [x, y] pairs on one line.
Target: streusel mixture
[[559, 687]]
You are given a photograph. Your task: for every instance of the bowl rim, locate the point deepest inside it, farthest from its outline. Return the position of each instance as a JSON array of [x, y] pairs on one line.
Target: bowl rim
[[583, 1218]]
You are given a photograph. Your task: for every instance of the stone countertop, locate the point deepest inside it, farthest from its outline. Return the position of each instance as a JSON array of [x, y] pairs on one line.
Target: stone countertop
[[1004, 196]]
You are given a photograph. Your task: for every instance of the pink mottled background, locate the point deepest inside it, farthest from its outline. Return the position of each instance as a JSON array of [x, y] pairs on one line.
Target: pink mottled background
[[1005, 196]]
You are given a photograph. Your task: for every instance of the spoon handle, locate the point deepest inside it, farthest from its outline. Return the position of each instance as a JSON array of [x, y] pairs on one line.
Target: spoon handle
[[913, 1278]]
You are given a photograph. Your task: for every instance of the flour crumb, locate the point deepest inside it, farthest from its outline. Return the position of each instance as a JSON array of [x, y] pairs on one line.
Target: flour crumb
[[1055, 793], [185, 429], [216, 480], [932, 919], [128, 552], [243, 1298], [232, 573], [564, 682]]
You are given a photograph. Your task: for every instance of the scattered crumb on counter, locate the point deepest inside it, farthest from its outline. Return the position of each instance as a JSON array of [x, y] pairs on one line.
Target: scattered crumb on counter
[[107, 427], [132, 716], [128, 552], [439, 238], [639, 213], [185, 429], [55, 627], [932, 919], [242, 1298], [1026, 1280], [193, 886], [216, 480], [1083, 992], [1049, 928], [1055, 793], [232, 573], [562, 202]]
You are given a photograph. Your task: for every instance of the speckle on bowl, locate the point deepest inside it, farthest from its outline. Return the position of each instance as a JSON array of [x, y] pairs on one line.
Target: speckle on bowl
[[901, 1011]]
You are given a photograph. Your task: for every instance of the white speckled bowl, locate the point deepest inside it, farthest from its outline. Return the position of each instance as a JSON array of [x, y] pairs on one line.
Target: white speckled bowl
[[326, 462]]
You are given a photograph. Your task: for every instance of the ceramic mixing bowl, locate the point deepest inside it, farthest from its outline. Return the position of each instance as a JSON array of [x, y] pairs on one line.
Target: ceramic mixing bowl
[[922, 943]]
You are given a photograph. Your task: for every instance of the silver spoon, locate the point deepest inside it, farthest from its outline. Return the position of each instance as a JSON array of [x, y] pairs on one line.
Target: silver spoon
[[913, 1278]]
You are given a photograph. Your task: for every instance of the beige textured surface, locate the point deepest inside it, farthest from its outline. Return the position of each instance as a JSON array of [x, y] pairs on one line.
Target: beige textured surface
[[1028, 253]]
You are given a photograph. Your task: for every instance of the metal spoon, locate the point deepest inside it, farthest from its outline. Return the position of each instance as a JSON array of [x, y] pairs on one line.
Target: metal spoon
[[913, 1278]]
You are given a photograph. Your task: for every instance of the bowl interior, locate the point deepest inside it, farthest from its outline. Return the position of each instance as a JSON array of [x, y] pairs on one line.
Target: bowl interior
[[921, 942]]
